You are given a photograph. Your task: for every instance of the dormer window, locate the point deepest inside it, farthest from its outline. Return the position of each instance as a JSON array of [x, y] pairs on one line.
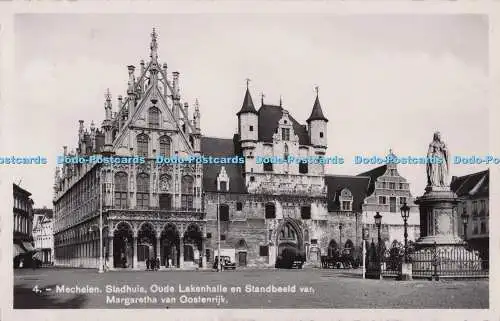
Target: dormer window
[[346, 200], [223, 180]]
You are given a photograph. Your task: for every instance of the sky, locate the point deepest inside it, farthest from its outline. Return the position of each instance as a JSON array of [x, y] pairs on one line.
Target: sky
[[385, 81]]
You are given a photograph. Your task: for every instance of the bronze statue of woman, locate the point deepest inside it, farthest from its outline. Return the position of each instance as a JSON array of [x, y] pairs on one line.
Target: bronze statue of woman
[[437, 162]]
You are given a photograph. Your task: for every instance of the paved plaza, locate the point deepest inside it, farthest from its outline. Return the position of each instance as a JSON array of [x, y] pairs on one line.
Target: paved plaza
[[80, 288]]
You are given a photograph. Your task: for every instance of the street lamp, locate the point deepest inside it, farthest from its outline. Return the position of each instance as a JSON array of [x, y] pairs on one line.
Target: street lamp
[[465, 221], [405, 214], [378, 223], [340, 233]]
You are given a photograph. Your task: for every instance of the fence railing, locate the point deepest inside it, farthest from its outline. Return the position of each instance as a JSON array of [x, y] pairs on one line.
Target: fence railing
[[435, 262]]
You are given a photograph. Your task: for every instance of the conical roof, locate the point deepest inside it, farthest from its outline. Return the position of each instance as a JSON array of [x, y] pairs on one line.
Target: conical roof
[[247, 106], [317, 112]]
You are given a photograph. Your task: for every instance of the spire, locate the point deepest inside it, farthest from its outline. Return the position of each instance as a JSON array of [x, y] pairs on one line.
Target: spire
[[247, 106], [317, 112], [154, 47]]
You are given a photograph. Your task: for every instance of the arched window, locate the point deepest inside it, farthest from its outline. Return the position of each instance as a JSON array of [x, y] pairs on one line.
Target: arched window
[[142, 194], [142, 145], [270, 211], [121, 179], [154, 117], [187, 183], [165, 146], [285, 155]]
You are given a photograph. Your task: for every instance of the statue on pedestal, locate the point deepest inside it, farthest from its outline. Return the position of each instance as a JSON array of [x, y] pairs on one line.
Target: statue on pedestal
[[437, 163]]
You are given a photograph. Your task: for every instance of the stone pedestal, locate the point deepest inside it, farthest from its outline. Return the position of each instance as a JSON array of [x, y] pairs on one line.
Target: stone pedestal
[[438, 217], [406, 272], [439, 250]]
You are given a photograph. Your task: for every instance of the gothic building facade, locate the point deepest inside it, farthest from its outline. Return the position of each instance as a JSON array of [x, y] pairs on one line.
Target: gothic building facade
[[183, 213]]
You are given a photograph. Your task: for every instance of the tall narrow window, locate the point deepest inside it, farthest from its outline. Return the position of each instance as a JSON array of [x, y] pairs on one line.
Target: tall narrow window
[[154, 117], [285, 133], [187, 192], [121, 179], [142, 145], [285, 154], [165, 146], [142, 190]]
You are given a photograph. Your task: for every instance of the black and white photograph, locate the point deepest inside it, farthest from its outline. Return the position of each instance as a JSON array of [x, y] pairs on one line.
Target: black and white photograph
[[221, 160]]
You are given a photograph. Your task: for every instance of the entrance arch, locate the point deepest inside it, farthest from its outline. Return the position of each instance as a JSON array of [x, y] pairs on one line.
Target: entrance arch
[[123, 250], [193, 245], [289, 240], [169, 246], [333, 248], [146, 243]]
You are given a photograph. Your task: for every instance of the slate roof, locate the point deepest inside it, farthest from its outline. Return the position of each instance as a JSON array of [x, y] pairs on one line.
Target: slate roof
[[221, 147], [317, 112], [374, 174], [247, 106], [465, 185], [358, 185], [269, 116]]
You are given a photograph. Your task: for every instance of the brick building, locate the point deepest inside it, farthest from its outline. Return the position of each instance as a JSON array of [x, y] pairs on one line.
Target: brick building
[[473, 190], [43, 234], [22, 224], [170, 211], [387, 192]]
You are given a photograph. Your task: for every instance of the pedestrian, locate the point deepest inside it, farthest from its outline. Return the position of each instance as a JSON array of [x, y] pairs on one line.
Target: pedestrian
[[147, 263]]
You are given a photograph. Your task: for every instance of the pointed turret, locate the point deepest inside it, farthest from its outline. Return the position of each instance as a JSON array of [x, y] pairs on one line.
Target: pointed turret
[[247, 106], [154, 47], [248, 122], [317, 125], [317, 112]]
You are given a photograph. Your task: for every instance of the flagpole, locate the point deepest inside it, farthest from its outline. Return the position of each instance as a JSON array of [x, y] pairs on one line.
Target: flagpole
[[219, 261]]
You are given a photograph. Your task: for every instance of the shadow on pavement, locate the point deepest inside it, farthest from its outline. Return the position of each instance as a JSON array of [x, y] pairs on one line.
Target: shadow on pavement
[[25, 298]]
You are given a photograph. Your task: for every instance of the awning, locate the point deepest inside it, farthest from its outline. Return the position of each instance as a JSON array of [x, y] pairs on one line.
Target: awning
[[17, 250], [28, 247]]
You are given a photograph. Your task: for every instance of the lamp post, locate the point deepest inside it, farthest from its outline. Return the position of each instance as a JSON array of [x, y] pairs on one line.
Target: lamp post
[[378, 223], [405, 213], [465, 221], [340, 235]]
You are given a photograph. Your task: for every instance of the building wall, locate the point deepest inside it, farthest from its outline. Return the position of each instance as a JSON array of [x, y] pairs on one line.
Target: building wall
[[250, 225], [392, 221], [477, 208], [22, 215]]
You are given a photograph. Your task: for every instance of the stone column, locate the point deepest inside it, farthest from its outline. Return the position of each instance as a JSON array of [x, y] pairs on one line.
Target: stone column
[[111, 257], [158, 245], [202, 254], [181, 253], [135, 267]]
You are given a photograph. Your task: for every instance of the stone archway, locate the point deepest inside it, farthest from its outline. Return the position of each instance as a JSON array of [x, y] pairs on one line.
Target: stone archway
[[170, 246], [123, 250], [289, 239], [193, 246], [146, 243], [333, 248]]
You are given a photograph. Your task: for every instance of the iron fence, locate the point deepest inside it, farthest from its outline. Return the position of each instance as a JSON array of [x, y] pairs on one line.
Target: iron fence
[[448, 261], [436, 262]]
